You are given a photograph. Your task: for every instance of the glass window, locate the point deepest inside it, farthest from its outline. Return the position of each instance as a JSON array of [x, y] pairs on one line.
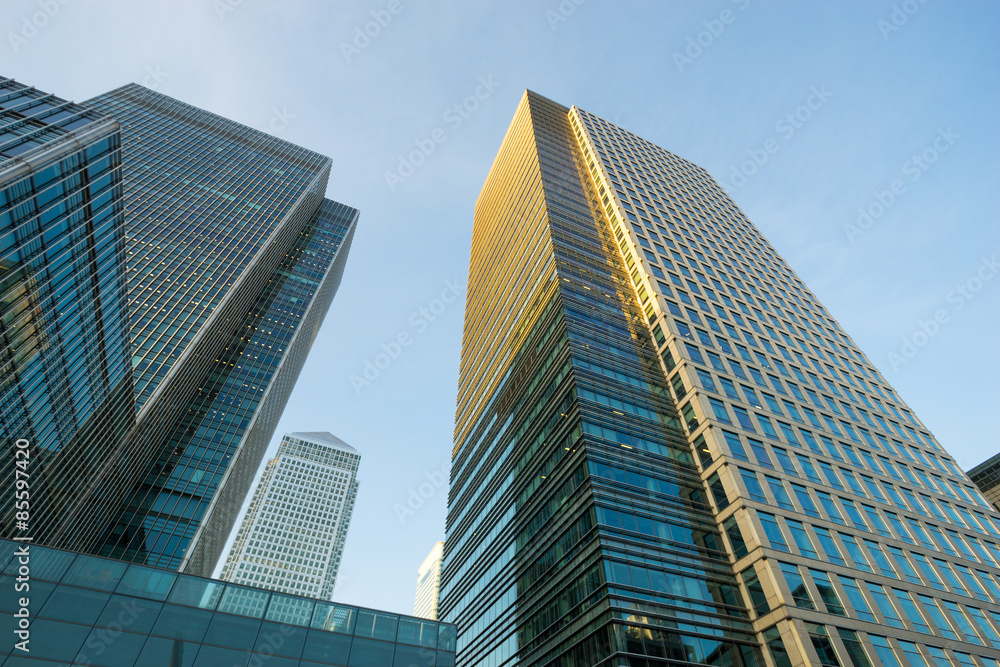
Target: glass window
[[334, 618], [855, 649], [132, 614], [778, 491], [775, 645], [805, 500], [754, 489], [182, 623], [288, 609], [797, 586], [195, 592], [232, 631], [417, 632], [756, 592], [855, 553], [772, 531], [857, 599], [824, 647], [884, 651], [801, 538], [884, 605], [323, 646], [829, 545], [962, 622], [937, 619], [912, 653], [827, 593]]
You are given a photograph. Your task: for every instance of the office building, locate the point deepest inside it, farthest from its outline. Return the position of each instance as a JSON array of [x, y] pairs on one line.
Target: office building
[[666, 449], [429, 584], [232, 258], [89, 610], [292, 537], [986, 476], [65, 371]]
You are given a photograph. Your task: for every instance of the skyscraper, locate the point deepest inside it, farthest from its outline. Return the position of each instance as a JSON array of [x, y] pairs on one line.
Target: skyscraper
[[666, 447], [65, 373], [429, 584], [986, 476], [232, 259], [292, 537]]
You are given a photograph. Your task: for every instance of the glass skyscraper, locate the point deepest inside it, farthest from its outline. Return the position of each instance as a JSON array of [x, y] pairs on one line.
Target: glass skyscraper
[[65, 376], [428, 597], [667, 450], [231, 259], [292, 537]]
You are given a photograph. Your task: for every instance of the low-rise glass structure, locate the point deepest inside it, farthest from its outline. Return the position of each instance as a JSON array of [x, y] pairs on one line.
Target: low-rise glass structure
[[88, 610]]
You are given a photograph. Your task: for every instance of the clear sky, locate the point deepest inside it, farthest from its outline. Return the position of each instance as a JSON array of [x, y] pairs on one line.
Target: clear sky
[[904, 109]]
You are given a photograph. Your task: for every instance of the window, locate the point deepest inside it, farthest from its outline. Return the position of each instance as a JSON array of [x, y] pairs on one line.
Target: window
[[773, 531], [805, 500], [824, 648], [855, 649], [937, 620], [760, 453], [735, 446], [772, 638], [719, 408], [801, 538], [855, 553], [736, 541], [827, 593], [857, 599], [785, 461], [754, 489], [962, 622], [778, 491], [910, 610], [797, 586], [829, 545], [884, 651], [757, 597], [884, 605]]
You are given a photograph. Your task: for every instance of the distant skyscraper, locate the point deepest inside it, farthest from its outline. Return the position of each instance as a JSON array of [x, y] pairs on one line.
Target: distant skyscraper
[[233, 257], [666, 447], [292, 537], [429, 584], [986, 476]]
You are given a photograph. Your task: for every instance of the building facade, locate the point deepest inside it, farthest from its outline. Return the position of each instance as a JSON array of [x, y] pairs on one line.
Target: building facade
[[292, 537], [88, 610], [986, 476], [65, 362], [667, 449], [231, 259], [429, 584]]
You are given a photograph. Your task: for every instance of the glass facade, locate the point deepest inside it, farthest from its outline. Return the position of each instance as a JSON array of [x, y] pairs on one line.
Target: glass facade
[[667, 449], [65, 376], [579, 531], [848, 515], [229, 257], [88, 610]]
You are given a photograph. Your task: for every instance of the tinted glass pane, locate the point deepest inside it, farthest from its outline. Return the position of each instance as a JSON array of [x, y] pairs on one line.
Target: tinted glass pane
[[146, 582], [182, 623], [74, 604], [447, 636], [244, 601], [94, 572], [167, 653], [414, 656], [193, 592], [110, 647], [37, 594], [327, 646], [286, 609], [233, 631], [275, 639], [132, 614], [55, 640], [213, 656], [417, 632], [370, 653], [45, 564], [335, 618]]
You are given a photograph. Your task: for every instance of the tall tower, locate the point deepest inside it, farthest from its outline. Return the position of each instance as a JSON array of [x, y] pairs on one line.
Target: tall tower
[[666, 447], [65, 371], [429, 584], [292, 537], [231, 259]]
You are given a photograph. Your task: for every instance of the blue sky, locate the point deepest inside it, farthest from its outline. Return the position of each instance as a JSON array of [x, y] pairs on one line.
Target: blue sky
[[902, 125]]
